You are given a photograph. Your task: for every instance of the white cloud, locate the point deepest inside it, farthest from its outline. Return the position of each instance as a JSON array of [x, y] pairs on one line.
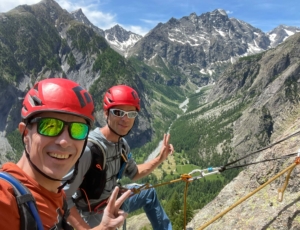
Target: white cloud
[[89, 8], [229, 12], [7, 5], [150, 22], [100, 19], [136, 29]]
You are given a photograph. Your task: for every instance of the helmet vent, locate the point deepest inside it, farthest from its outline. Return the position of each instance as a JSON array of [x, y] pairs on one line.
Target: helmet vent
[[24, 107], [87, 97], [35, 101], [110, 101]]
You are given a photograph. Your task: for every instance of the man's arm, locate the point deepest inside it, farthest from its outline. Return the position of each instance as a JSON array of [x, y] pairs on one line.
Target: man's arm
[[76, 220], [146, 168]]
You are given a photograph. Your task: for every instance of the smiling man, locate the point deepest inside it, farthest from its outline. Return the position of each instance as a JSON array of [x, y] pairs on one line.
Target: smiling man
[[101, 167], [56, 118]]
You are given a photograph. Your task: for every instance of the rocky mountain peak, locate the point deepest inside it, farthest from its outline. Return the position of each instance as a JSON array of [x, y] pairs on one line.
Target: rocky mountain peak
[[220, 11], [117, 33], [280, 33], [195, 44], [172, 21], [50, 4], [78, 15], [193, 17], [118, 38], [78, 12]]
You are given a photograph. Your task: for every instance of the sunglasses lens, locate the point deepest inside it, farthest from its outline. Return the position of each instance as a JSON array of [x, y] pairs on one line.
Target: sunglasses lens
[[118, 112], [50, 127], [79, 131], [132, 114], [121, 113]]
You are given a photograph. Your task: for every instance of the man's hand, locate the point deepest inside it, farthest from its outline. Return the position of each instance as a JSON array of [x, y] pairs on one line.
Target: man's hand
[[113, 217], [147, 167], [166, 148]]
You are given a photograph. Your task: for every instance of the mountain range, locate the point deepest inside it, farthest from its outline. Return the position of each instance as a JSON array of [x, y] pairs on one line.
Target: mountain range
[[241, 84], [118, 38], [196, 46]]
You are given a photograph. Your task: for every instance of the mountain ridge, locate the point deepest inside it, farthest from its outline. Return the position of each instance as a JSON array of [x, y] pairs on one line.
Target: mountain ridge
[[213, 24]]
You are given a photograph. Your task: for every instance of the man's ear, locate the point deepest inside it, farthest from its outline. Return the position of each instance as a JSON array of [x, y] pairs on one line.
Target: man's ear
[[105, 113], [22, 128]]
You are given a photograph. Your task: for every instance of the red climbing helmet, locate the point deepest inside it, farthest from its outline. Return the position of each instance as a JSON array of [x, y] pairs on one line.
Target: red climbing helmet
[[121, 95], [58, 95]]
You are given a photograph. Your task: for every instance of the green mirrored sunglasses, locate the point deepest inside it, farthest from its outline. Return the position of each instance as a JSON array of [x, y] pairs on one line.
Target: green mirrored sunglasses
[[53, 127]]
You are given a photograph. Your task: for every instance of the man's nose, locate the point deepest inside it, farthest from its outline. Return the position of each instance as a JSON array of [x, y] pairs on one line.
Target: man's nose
[[64, 138]]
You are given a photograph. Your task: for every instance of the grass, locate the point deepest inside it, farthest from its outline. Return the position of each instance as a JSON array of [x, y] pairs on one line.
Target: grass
[[171, 165]]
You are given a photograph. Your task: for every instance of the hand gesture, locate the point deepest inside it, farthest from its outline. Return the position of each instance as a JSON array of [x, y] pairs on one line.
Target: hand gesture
[[166, 148], [113, 216]]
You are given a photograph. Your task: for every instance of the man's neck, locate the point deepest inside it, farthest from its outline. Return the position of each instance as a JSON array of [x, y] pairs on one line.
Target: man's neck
[[109, 135], [48, 184]]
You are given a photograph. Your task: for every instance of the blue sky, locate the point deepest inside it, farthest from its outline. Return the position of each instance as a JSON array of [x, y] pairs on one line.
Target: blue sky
[[140, 16]]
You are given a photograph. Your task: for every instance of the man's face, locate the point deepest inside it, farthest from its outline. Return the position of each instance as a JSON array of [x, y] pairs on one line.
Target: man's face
[[121, 125], [54, 156]]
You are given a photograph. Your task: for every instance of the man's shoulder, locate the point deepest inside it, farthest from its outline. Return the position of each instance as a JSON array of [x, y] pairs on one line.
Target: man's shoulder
[[7, 192], [96, 133], [14, 171], [6, 189]]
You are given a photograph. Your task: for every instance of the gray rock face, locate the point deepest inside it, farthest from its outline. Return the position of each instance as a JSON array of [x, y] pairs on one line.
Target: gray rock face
[[280, 33], [80, 17], [118, 38], [121, 40], [200, 46], [197, 44]]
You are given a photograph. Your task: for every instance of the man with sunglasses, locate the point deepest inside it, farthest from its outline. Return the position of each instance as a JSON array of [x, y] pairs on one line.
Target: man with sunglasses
[[56, 118], [121, 105]]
